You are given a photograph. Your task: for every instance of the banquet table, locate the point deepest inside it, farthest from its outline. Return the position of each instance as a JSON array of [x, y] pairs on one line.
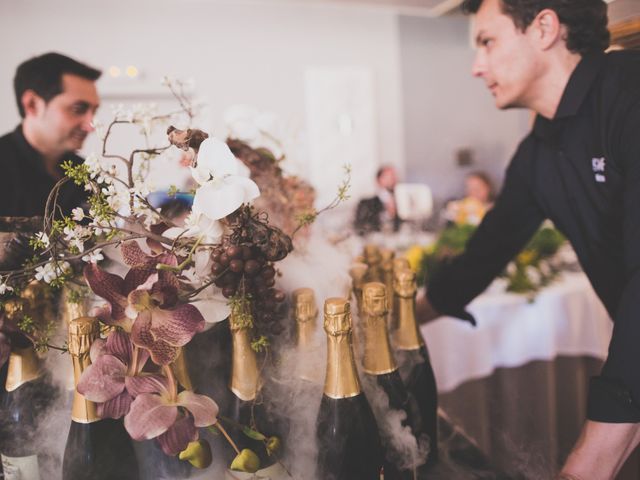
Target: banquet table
[[566, 318], [517, 382]]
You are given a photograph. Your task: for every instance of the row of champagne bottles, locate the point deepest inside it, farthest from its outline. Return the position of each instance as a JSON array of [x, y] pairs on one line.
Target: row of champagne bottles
[[347, 434], [384, 290]]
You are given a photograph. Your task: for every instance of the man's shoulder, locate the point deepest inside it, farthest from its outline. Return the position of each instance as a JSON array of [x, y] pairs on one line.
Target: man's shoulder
[[622, 73], [9, 150]]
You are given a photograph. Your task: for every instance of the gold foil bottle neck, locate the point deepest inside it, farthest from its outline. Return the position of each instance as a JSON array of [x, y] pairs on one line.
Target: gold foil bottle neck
[[386, 257], [341, 379], [407, 336], [400, 263], [404, 283], [24, 366], [83, 332], [73, 303], [305, 307], [245, 377], [372, 254], [306, 313], [358, 273], [378, 358], [337, 316]]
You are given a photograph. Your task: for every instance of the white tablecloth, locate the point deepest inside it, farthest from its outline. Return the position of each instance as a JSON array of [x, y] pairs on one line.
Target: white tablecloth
[[566, 318]]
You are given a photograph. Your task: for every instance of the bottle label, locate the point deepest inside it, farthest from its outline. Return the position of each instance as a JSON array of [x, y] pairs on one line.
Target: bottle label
[[274, 472], [21, 468]]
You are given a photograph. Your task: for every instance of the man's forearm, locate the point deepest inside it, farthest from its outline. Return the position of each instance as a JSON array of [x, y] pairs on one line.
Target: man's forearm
[[600, 451]]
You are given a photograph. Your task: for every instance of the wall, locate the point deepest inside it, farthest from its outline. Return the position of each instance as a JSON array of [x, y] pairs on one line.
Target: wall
[[236, 52], [445, 109]]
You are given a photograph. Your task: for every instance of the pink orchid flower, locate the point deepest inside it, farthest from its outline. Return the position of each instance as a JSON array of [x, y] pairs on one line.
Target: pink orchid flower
[[145, 303], [115, 289], [108, 380], [159, 411]]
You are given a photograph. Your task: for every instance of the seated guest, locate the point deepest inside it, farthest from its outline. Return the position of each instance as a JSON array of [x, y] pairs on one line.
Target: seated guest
[[379, 212], [57, 100], [478, 199]]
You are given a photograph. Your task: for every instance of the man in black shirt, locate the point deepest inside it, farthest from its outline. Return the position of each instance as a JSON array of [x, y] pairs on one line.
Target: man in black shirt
[[57, 100], [579, 167]]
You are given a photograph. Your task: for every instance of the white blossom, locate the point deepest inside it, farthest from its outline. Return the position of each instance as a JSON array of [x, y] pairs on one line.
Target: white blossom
[[94, 256], [44, 238], [4, 288], [77, 214], [52, 270], [93, 164]]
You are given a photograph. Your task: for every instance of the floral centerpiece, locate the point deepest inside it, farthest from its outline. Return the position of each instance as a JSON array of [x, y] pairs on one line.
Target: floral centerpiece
[[223, 255]]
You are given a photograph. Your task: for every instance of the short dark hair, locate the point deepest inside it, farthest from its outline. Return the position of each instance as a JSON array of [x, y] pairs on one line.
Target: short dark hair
[[586, 20], [383, 169], [484, 178], [43, 75]]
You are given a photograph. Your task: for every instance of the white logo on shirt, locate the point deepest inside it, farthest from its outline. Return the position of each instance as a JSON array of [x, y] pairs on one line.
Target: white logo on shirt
[[598, 165]]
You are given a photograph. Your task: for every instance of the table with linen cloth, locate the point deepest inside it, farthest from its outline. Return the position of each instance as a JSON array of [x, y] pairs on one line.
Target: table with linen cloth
[[517, 382]]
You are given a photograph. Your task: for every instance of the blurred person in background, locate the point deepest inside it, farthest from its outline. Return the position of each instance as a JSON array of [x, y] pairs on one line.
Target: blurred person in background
[[478, 199], [57, 100], [579, 166], [379, 213]]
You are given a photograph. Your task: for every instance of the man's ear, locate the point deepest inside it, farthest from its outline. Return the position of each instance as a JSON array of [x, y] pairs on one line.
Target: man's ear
[[547, 29], [32, 103]]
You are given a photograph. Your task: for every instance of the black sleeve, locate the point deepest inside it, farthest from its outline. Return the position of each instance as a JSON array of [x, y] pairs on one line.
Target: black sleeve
[[503, 232], [614, 397], [367, 217]]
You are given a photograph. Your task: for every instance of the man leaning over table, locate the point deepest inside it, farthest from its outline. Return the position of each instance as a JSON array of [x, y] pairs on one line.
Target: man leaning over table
[[57, 100], [579, 167]]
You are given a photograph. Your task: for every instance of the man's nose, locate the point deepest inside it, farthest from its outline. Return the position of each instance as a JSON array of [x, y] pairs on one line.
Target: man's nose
[[479, 66], [87, 122]]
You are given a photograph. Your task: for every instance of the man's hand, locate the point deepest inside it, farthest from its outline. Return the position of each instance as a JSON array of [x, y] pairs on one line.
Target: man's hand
[[425, 312], [601, 450]]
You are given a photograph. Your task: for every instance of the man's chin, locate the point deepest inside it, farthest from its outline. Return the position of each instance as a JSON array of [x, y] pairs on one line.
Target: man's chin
[[75, 144]]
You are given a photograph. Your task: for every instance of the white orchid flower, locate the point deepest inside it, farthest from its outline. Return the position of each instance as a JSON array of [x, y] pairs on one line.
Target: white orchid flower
[[223, 188], [198, 225], [213, 305]]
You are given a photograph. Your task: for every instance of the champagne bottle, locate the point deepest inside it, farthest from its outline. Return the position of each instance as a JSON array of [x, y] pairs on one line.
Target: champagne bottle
[[28, 391], [27, 396], [386, 268], [306, 314], [358, 273], [373, 258], [246, 407], [347, 433], [379, 363], [96, 449], [413, 357]]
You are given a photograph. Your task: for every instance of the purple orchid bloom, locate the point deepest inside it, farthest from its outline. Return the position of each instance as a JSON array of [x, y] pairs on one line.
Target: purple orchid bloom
[[159, 411], [115, 289], [113, 369], [145, 303]]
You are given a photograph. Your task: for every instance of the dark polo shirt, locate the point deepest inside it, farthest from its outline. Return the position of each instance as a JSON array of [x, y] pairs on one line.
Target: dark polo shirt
[[581, 170], [25, 184]]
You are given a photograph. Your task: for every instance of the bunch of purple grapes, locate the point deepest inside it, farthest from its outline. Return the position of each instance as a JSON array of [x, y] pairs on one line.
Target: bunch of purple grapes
[[244, 270]]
